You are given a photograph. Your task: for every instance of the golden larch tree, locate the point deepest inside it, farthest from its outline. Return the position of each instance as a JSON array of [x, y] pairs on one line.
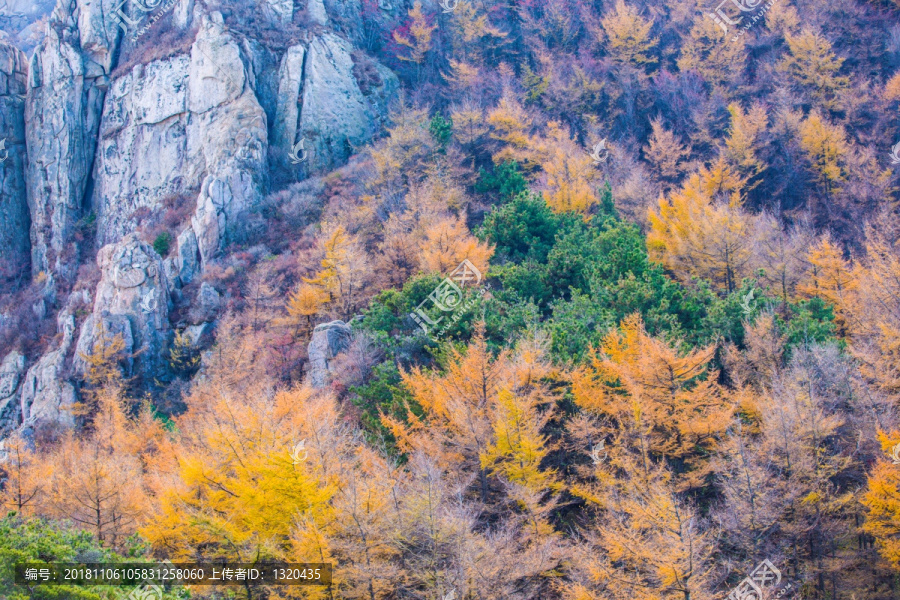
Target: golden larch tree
[[832, 278], [743, 141], [710, 51], [628, 37], [344, 269], [447, 243], [417, 41], [242, 472], [694, 236], [669, 403], [811, 63], [664, 151], [882, 501], [569, 172], [826, 147]]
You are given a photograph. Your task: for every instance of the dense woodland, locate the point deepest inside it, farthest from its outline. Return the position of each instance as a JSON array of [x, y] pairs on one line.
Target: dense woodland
[[683, 359]]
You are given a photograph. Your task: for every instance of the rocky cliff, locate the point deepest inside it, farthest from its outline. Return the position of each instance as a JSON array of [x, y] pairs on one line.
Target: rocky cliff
[[14, 218], [109, 124]]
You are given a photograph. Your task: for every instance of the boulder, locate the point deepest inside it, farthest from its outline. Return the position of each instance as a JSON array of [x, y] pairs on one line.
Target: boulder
[[45, 394], [328, 340], [15, 244], [143, 153], [132, 299]]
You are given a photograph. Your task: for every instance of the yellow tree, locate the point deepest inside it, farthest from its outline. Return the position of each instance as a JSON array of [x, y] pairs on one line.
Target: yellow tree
[[469, 126], [458, 403], [102, 363], [668, 403], [98, 480], [711, 52], [882, 500], [518, 447], [628, 37], [306, 302], [892, 88], [473, 33], [568, 170], [510, 124], [813, 66], [826, 146], [417, 40], [404, 154], [695, 237], [244, 470], [877, 341], [344, 270], [25, 474], [782, 254], [664, 151], [649, 543], [782, 19], [743, 141], [832, 278], [481, 412], [517, 450], [447, 243], [366, 535]]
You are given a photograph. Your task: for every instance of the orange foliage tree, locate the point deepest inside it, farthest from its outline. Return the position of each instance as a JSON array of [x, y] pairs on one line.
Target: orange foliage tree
[[664, 402]]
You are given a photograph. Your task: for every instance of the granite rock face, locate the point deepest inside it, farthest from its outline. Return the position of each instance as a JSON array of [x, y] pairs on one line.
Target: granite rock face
[[207, 125], [46, 395], [315, 10], [132, 300], [287, 115], [68, 75], [174, 126], [336, 117], [15, 244], [328, 340], [12, 370]]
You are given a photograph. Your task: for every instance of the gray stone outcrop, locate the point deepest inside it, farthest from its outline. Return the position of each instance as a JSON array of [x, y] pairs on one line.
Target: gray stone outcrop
[[328, 340]]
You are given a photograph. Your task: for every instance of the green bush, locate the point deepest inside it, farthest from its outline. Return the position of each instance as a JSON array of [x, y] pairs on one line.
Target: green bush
[[162, 242], [38, 541]]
